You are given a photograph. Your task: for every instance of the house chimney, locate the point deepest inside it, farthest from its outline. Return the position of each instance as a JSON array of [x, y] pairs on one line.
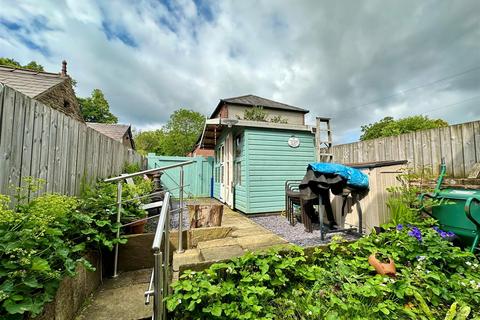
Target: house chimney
[[64, 68]]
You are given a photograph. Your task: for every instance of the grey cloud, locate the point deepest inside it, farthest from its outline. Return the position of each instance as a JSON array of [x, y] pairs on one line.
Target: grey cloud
[[330, 57]]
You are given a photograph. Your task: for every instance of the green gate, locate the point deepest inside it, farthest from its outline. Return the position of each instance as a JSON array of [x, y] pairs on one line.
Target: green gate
[[197, 176]]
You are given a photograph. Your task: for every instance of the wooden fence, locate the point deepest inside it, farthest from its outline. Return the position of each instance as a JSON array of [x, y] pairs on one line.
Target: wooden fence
[[458, 144], [41, 142]]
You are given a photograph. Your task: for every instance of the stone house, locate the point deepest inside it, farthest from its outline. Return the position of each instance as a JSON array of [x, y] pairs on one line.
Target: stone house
[[118, 132], [52, 89]]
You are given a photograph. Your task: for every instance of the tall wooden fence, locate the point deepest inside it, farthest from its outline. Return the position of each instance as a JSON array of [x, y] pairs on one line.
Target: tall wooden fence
[[458, 144], [41, 142]]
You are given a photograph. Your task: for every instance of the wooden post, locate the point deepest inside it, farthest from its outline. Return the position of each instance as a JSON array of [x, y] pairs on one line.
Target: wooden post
[[205, 215]]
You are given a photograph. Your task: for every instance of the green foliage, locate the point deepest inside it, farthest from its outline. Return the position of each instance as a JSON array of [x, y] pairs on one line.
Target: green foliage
[[338, 283], [150, 142], [255, 114], [96, 108], [99, 210], [38, 247], [42, 240], [389, 127], [176, 138], [278, 119], [32, 65]]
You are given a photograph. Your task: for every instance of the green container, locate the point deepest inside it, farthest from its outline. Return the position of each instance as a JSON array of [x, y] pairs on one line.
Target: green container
[[459, 214]]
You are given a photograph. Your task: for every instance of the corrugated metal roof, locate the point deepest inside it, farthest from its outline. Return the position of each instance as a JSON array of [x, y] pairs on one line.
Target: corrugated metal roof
[[31, 83], [252, 100], [114, 131]]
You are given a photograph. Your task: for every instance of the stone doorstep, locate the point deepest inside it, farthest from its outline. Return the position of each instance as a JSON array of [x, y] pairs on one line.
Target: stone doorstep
[[217, 243], [187, 257], [221, 253]]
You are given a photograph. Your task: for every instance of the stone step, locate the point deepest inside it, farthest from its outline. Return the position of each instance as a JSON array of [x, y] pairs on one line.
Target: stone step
[[121, 298]]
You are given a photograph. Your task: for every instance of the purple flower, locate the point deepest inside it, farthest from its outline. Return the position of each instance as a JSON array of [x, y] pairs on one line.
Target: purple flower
[[443, 234], [399, 227], [416, 233]]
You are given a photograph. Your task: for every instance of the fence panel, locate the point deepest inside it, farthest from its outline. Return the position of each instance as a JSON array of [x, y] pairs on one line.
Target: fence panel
[[38, 141], [197, 176], [458, 144]]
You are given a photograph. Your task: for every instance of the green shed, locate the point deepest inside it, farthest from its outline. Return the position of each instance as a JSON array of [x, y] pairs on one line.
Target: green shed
[[254, 159]]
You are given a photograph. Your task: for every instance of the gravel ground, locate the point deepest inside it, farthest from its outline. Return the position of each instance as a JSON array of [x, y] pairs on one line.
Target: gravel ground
[[296, 234], [152, 223]]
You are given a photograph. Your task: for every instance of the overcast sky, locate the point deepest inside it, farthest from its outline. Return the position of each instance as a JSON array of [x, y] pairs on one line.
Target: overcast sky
[[355, 61]]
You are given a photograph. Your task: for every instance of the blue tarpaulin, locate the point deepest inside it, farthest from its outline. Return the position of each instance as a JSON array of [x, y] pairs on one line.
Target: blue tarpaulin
[[354, 178]]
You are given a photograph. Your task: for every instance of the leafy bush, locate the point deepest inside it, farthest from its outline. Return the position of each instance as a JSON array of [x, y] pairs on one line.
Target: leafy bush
[[43, 240], [433, 278], [37, 249], [99, 210]]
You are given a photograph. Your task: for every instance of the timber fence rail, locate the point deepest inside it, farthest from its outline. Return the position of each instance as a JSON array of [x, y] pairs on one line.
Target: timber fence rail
[[41, 142], [458, 144]]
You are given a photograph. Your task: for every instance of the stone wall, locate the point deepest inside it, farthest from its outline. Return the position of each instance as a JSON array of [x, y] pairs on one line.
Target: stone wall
[[62, 97], [73, 292]]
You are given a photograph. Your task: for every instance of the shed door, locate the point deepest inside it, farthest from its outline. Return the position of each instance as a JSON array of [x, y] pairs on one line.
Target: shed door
[[228, 170]]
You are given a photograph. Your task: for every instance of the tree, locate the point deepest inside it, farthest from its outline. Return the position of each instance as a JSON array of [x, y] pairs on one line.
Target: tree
[[390, 127], [96, 108], [150, 142], [176, 138], [182, 131], [32, 65]]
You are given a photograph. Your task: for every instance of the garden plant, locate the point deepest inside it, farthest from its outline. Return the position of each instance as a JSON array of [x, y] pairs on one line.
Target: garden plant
[[44, 238], [434, 280]]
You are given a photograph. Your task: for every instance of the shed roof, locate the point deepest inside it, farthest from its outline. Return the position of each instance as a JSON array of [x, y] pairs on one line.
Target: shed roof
[[29, 82], [254, 101], [114, 131]]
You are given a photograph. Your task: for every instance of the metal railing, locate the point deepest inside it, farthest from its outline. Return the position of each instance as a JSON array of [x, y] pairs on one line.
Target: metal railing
[[120, 179], [160, 277]]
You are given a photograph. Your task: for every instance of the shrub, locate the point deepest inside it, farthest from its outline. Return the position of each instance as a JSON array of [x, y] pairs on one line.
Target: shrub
[[36, 250], [433, 278]]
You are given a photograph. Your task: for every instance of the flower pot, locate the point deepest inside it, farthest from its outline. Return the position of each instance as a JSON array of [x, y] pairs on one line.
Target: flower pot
[[137, 227]]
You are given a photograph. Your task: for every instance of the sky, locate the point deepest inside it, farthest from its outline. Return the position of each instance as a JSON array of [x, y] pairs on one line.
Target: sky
[[353, 61]]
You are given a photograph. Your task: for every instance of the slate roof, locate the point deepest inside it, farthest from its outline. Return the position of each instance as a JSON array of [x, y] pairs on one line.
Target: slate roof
[[114, 131], [252, 100], [29, 82]]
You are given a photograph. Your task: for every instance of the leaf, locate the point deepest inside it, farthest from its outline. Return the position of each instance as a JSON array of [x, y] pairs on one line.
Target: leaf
[[14, 307], [78, 247], [32, 282], [217, 310], [39, 264]]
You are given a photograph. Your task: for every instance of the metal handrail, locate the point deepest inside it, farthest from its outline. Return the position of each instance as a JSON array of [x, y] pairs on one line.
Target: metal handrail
[[140, 173], [121, 178], [159, 279]]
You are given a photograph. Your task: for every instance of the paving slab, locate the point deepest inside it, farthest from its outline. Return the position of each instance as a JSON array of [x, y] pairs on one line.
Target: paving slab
[[187, 257], [261, 240], [221, 253], [217, 243], [250, 231]]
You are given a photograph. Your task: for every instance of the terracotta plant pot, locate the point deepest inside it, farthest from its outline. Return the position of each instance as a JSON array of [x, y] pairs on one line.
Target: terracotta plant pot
[[137, 227]]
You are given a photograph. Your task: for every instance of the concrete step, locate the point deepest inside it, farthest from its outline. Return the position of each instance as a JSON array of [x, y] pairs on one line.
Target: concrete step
[[121, 298]]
